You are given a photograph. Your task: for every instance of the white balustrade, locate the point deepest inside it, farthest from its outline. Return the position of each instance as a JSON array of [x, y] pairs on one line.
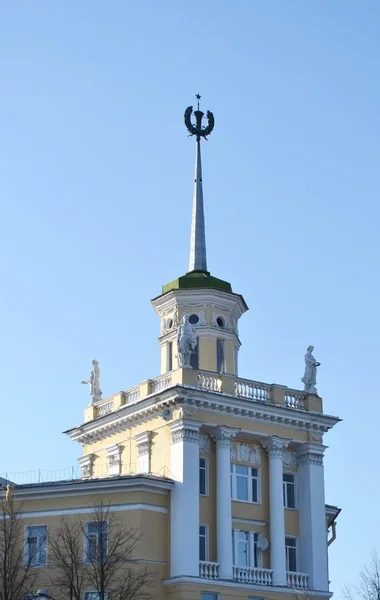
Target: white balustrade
[[253, 575], [132, 395], [208, 570], [253, 390], [294, 399], [105, 409], [209, 382], [158, 385], [300, 581]]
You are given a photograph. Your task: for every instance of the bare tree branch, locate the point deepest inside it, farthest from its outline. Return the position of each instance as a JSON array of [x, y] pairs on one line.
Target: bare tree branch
[[66, 558], [369, 582]]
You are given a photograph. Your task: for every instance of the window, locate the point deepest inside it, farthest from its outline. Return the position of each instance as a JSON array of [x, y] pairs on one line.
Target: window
[[208, 596], [203, 542], [203, 476], [245, 550], [245, 483], [194, 356], [289, 490], [36, 545], [96, 540], [291, 553], [93, 596], [220, 356], [169, 348]]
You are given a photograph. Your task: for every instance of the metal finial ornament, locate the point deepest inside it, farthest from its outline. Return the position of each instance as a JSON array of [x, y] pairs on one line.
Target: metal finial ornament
[[197, 129]]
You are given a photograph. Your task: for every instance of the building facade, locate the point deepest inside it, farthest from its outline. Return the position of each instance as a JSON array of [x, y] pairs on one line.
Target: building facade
[[221, 475]]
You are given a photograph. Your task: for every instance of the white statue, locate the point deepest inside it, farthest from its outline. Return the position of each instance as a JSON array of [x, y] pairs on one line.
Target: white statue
[[310, 376], [93, 381], [186, 342]]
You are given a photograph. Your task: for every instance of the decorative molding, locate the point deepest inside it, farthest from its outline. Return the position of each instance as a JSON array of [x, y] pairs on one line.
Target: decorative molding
[[143, 443], [246, 452], [275, 446], [185, 431], [311, 454], [204, 442], [87, 510], [86, 463], [224, 436], [290, 459], [316, 436]]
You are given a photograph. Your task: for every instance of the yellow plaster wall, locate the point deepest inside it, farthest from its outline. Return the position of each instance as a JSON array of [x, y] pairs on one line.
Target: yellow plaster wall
[[192, 591], [229, 357]]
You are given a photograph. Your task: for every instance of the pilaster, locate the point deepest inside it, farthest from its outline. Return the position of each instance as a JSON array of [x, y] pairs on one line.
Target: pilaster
[[275, 447], [184, 514], [312, 517], [223, 438]]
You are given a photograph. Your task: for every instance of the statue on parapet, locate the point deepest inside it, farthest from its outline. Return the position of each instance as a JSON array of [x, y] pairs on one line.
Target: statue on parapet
[[186, 342], [93, 381], [310, 376]]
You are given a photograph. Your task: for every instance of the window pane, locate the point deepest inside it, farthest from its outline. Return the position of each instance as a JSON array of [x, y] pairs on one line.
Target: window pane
[[242, 488], [194, 357], [291, 542], [202, 476], [292, 559], [220, 356], [254, 472], [240, 470], [291, 496], [208, 596], [202, 543], [288, 477], [170, 356], [243, 548], [254, 490]]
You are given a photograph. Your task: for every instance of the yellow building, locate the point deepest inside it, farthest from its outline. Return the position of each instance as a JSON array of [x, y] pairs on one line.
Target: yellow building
[[221, 475]]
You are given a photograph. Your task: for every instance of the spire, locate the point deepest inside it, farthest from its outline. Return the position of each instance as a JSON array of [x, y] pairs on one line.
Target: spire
[[198, 258]]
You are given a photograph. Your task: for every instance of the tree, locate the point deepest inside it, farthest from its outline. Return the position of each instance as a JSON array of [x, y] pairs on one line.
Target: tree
[[369, 582], [106, 563], [17, 577]]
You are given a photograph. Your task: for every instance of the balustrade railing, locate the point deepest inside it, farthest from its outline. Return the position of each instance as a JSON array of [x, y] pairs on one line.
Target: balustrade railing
[[300, 581], [208, 570], [253, 390], [161, 383], [132, 395], [104, 409], [206, 381], [294, 399], [253, 575]]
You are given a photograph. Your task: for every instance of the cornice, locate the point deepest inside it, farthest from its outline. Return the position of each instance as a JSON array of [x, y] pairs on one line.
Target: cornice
[[198, 297], [204, 401]]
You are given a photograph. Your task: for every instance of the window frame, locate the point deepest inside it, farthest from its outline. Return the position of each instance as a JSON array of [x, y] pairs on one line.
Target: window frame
[[253, 537], [27, 559], [250, 479], [207, 595], [295, 547], [285, 492], [86, 558], [206, 538], [195, 363], [220, 347], [86, 595], [169, 356], [206, 471]]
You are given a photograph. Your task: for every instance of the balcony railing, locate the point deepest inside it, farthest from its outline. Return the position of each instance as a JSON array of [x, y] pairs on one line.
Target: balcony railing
[[253, 575], [244, 389], [208, 570], [300, 581]]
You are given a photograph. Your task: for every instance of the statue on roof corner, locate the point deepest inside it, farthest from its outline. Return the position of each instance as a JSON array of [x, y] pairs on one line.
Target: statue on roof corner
[[186, 342], [93, 381], [310, 376]]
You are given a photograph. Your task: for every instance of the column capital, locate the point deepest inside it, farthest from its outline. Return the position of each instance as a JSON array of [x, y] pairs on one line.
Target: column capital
[[184, 430], [223, 436], [311, 454], [143, 442], [275, 446]]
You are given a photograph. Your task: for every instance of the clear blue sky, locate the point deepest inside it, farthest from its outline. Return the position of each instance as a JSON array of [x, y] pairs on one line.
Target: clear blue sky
[[96, 182]]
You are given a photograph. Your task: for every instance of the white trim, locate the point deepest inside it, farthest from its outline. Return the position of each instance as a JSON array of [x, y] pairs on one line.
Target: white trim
[[207, 471], [250, 479], [206, 536], [249, 522], [292, 537], [89, 509], [288, 472], [26, 552], [242, 586]]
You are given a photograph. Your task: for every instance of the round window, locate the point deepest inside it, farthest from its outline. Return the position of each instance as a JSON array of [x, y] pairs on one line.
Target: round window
[[220, 321], [193, 319]]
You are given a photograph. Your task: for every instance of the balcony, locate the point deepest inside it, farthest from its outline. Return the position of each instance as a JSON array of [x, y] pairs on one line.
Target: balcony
[[254, 576], [237, 387]]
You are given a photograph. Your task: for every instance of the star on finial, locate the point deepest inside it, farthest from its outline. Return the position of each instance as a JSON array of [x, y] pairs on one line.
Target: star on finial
[[198, 97]]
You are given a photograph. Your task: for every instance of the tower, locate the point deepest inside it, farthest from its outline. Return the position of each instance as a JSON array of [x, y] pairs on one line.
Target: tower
[[233, 467]]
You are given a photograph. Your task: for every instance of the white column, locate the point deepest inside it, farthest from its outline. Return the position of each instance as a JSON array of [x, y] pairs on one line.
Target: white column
[[275, 448], [312, 516], [143, 443], [184, 512], [223, 438]]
